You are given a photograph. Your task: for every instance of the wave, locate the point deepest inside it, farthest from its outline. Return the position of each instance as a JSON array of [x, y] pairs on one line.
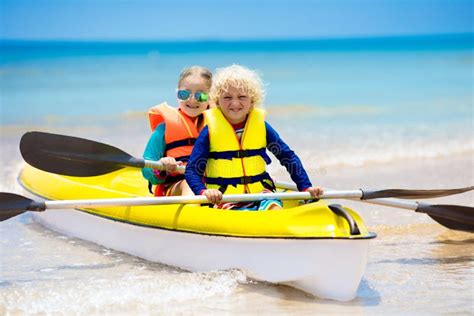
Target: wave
[[305, 110], [355, 155], [319, 143]]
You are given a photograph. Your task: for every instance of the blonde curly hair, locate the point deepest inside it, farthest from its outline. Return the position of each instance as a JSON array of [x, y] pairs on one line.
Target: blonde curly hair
[[240, 77]]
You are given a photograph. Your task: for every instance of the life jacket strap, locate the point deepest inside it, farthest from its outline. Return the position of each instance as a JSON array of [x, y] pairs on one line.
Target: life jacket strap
[[180, 143], [243, 153], [238, 180]]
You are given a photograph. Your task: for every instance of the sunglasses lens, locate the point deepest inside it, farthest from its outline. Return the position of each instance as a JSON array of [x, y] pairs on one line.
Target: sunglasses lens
[[202, 97], [183, 95]]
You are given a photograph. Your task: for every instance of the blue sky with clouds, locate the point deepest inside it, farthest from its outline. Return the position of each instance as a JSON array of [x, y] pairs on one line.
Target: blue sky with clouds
[[230, 19]]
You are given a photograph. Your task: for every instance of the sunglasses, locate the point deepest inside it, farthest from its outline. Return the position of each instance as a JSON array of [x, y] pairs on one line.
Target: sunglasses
[[184, 95]]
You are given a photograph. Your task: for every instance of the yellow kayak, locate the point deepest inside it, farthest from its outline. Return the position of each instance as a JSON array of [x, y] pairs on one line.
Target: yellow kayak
[[314, 220], [318, 248]]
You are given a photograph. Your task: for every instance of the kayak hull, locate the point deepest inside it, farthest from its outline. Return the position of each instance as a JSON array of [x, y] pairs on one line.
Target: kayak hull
[[323, 267]]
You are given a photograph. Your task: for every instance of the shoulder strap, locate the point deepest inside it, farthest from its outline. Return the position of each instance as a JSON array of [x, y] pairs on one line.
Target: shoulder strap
[[157, 114]]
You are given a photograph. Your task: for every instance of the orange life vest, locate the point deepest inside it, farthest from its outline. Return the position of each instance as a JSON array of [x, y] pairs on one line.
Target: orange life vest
[[180, 135], [180, 132]]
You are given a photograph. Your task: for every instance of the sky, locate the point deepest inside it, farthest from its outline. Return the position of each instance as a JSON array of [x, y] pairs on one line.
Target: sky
[[230, 19]]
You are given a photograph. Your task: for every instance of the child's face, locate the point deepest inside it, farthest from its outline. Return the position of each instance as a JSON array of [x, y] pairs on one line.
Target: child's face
[[193, 84], [235, 104]]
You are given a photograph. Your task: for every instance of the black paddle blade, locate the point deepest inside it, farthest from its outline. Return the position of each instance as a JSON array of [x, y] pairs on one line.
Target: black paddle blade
[[13, 204], [73, 156], [412, 194], [455, 217]]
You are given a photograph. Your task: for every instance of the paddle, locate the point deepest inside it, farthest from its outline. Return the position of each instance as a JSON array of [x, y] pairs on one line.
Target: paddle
[[74, 156], [13, 204], [451, 216], [455, 217]]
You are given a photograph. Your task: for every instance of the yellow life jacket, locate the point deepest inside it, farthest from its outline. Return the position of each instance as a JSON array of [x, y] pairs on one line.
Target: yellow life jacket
[[237, 166]]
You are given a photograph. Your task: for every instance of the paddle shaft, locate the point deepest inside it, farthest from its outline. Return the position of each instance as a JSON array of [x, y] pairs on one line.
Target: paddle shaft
[[451, 216], [157, 165], [353, 195], [409, 205], [194, 199], [358, 194], [454, 217], [332, 194]]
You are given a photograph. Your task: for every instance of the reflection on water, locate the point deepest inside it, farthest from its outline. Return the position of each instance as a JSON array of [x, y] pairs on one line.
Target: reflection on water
[[421, 268], [430, 261]]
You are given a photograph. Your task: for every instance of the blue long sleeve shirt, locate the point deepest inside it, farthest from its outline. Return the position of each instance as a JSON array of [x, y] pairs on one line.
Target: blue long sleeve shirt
[[197, 162]]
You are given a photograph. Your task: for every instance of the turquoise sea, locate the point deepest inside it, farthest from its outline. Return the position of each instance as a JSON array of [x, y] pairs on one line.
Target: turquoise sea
[[395, 79], [388, 96]]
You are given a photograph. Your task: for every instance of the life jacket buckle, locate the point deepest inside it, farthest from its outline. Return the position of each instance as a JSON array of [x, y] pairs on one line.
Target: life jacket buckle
[[242, 153], [246, 180]]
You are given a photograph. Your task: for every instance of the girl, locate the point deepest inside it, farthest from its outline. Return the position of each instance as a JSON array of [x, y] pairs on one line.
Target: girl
[[176, 130], [230, 153]]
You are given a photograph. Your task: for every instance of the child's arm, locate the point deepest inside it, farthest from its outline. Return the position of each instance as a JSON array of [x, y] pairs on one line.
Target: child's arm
[[197, 163], [287, 158], [154, 150]]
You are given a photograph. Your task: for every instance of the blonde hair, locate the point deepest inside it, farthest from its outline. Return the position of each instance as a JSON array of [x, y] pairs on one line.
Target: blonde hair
[[241, 78], [203, 72]]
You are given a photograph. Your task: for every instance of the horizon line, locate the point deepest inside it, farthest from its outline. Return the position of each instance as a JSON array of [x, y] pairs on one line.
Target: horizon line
[[232, 40]]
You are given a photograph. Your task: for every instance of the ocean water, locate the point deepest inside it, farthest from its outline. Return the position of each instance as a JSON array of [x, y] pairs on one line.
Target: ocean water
[[393, 94], [372, 113]]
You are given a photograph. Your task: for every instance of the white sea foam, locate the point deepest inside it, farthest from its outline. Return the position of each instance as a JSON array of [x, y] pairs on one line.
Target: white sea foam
[[384, 153], [137, 290], [328, 146]]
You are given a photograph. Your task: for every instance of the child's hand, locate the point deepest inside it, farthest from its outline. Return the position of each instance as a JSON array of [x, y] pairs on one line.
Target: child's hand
[[213, 195], [169, 163], [315, 192]]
